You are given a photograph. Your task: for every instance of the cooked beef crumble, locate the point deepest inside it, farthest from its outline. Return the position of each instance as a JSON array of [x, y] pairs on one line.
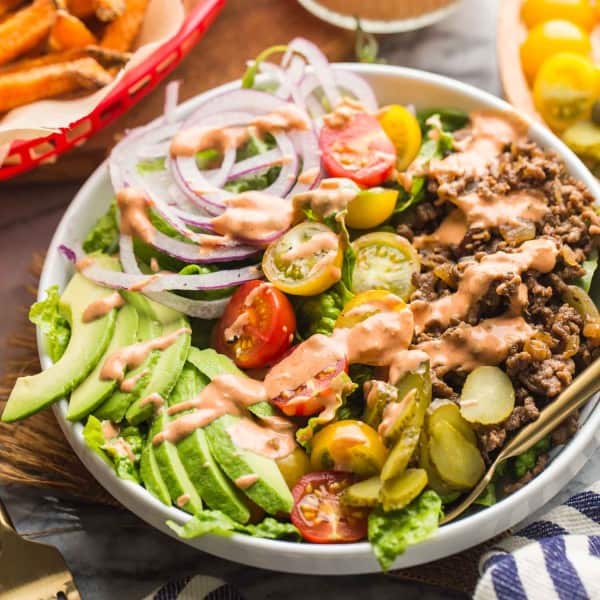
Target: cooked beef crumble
[[539, 369]]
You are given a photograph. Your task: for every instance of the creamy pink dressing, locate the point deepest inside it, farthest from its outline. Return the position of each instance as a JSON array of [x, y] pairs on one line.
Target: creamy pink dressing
[[109, 430], [237, 328], [404, 362], [392, 411], [132, 356], [451, 231], [309, 176], [245, 481], [324, 241], [133, 210], [285, 118], [539, 255], [248, 435], [343, 111], [127, 385], [155, 399], [490, 132], [467, 347], [332, 196], [182, 500], [154, 266], [123, 448], [102, 306], [255, 216]]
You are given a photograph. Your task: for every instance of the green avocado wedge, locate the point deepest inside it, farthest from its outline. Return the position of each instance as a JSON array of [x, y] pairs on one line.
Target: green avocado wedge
[[269, 491], [87, 344], [150, 474], [115, 407], [93, 390], [181, 490], [165, 372], [204, 472]]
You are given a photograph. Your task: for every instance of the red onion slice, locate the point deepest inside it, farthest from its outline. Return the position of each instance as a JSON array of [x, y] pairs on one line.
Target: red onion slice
[[160, 282]]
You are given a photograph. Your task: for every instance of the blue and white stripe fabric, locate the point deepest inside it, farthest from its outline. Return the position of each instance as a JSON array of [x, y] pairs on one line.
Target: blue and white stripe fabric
[[556, 557], [198, 587]]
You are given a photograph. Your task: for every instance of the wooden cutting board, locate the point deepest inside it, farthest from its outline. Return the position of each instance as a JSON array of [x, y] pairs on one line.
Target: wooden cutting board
[[242, 30]]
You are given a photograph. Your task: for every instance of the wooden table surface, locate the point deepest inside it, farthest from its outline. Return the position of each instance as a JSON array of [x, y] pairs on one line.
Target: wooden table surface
[[113, 554]]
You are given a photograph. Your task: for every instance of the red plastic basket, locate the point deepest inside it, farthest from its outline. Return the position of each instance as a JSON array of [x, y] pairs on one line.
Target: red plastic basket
[[26, 155]]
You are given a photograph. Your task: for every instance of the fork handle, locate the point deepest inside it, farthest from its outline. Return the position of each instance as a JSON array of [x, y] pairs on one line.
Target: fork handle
[[5, 520]]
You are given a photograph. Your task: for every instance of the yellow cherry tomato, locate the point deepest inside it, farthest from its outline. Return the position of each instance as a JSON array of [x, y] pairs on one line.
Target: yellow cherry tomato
[[549, 38], [293, 466], [366, 304], [565, 90], [371, 208], [580, 12], [305, 261], [402, 127], [348, 446]]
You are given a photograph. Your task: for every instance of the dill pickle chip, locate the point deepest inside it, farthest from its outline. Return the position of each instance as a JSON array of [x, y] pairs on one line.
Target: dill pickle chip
[[396, 416], [403, 450], [363, 493], [400, 491], [434, 481], [377, 395], [458, 462], [446, 410], [487, 397]]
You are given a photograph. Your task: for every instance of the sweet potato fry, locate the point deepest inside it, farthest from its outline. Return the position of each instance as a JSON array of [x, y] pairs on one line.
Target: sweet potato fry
[[7, 5], [69, 32], [26, 29], [109, 10], [120, 34], [82, 9], [23, 87]]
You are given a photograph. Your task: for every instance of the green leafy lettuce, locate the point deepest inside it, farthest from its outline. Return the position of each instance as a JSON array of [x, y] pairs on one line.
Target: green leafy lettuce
[[55, 328], [111, 450], [488, 496], [217, 523], [589, 266], [249, 77], [390, 533], [104, 235], [526, 461], [451, 118], [318, 314]]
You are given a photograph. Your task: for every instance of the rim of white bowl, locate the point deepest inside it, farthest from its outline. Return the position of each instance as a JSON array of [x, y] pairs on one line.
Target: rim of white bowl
[[126, 491]]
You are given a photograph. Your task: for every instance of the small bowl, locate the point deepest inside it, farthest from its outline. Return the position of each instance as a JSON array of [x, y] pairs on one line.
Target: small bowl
[[391, 84]]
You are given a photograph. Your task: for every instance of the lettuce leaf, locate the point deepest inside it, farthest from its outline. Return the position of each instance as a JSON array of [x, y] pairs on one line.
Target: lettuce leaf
[[151, 165], [94, 438], [589, 266], [55, 328], [218, 523], [390, 533], [104, 235]]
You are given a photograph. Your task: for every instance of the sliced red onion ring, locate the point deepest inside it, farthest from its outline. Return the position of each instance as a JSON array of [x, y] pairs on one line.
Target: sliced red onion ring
[[288, 89], [171, 99], [318, 61], [260, 162], [202, 309], [160, 282]]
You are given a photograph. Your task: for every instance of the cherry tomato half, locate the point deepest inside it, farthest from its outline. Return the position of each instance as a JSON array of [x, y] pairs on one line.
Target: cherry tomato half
[[371, 208], [257, 327], [305, 261], [313, 396], [366, 304], [580, 12], [319, 514], [359, 150], [402, 127]]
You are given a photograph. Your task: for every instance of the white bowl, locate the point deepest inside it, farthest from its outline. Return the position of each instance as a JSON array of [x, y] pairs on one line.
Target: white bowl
[[391, 84]]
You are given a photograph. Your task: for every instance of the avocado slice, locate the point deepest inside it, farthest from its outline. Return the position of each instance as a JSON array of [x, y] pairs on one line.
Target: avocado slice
[[93, 390], [270, 491], [150, 474], [87, 344], [181, 489], [115, 407], [204, 472], [165, 372]]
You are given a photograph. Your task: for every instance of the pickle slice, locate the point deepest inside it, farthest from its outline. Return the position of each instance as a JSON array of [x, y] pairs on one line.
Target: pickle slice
[[396, 417], [487, 397], [434, 481], [458, 462], [402, 452], [363, 493], [400, 491], [378, 395], [445, 410]]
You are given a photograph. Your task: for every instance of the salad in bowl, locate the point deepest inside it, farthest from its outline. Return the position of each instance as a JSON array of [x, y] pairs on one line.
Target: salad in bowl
[[312, 318]]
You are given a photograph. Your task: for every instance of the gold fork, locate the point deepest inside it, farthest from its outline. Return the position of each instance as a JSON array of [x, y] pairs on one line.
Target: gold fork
[[575, 396], [29, 570]]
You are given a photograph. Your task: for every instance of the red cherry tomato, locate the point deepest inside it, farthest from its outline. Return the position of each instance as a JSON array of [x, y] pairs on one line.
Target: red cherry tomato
[[359, 150], [319, 514], [313, 396], [257, 327]]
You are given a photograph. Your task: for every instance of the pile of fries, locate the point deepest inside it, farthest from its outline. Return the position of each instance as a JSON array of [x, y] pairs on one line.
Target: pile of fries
[[52, 48]]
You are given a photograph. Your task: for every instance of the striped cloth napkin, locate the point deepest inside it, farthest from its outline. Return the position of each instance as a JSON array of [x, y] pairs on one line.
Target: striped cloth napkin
[[556, 557]]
